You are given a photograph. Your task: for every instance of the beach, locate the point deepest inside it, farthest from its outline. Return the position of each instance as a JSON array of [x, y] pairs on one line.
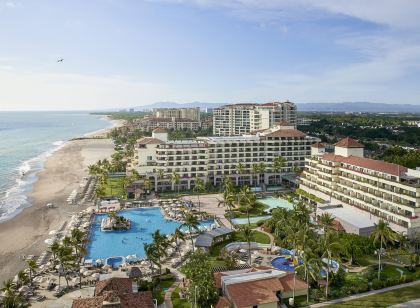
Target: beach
[[63, 172]]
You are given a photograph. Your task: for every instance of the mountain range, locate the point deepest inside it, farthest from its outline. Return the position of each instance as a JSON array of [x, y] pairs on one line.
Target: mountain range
[[307, 107]]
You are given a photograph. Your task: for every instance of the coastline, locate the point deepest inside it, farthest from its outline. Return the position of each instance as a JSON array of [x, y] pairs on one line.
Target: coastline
[[62, 171]]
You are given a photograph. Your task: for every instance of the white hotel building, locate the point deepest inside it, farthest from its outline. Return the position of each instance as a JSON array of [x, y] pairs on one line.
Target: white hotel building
[[213, 158], [240, 119], [359, 191]]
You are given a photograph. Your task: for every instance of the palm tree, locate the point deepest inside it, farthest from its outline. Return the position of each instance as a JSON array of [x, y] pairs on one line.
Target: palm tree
[[161, 243], [8, 286], [247, 200], [151, 254], [178, 235], [383, 234], [256, 171], [278, 164], [176, 179], [329, 246], [32, 268], [78, 242], [192, 223], [310, 265], [199, 186], [160, 175], [261, 170], [65, 260], [240, 169], [22, 278], [247, 233], [13, 300], [54, 251], [326, 220]]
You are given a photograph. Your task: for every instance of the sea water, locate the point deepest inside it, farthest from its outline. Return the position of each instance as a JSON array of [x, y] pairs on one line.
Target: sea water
[[26, 140]]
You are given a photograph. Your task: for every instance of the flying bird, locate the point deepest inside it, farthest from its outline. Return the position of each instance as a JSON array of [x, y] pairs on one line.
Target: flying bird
[[60, 60]]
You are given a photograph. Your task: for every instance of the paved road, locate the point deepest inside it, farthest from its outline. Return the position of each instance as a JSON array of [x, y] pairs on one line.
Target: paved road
[[345, 299]]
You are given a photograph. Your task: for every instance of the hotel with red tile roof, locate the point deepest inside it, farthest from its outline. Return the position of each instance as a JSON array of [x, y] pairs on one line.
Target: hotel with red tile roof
[[213, 158], [380, 189]]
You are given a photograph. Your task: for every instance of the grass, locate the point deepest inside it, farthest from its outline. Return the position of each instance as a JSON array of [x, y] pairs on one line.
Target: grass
[[257, 210], [384, 299], [177, 302], [166, 283], [257, 236], [114, 187]]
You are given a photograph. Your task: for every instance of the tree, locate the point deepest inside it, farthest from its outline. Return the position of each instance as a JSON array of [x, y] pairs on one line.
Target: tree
[[256, 172], [199, 186], [247, 233], [201, 289], [278, 164], [176, 180], [247, 200], [22, 279], [160, 175], [240, 169], [65, 260], [161, 243], [382, 234], [329, 246], [13, 300], [8, 286], [178, 235], [231, 259], [151, 254], [326, 220], [192, 223], [32, 268], [78, 242]]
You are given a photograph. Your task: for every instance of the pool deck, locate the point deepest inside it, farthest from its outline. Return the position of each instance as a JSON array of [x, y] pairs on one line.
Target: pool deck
[[209, 203]]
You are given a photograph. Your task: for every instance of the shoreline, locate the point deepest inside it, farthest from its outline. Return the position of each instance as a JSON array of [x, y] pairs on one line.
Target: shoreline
[[60, 173]]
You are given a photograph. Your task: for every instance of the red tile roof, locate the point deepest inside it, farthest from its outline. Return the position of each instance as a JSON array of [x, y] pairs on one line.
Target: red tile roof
[[217, 279], [318, 145], [282, 123], [132, 300], [253, 293], [349, 143], [149, 140], [368, 163], [119, 285], [159, 130], [223, 303], [286, 133], [288, 281]]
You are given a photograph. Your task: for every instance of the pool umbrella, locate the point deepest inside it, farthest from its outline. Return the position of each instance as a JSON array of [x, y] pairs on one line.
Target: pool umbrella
[[23, 289], [95, 275]]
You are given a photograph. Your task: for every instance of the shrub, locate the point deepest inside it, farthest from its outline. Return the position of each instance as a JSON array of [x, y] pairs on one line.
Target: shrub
[[377, 284], [260, 223]]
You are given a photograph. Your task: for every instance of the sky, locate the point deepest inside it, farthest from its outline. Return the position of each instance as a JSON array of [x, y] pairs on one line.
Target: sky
[[123, 53]]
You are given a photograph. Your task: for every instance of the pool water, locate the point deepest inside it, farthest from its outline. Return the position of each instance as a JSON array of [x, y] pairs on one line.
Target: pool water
[[243, 221], [284, 264], [144, 222], [273, 203]]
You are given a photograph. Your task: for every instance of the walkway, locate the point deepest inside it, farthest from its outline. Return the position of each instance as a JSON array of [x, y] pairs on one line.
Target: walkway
[[178, 278], [410, 304], [269, 235], [345, 299]]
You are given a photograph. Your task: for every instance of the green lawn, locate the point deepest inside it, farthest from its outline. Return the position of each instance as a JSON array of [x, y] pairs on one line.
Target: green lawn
[[257, 236], [115, 187], [160, 295], [257, 210], [384, 299], [177, 302]]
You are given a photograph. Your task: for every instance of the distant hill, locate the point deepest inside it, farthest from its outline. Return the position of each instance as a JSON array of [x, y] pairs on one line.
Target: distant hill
[[308, 107], [202, 105], [358, 107]]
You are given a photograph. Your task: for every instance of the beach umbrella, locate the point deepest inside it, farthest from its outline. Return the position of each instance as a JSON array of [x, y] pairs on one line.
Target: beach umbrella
[[95, 275], [98, 261], [52, 232], [75, 280]]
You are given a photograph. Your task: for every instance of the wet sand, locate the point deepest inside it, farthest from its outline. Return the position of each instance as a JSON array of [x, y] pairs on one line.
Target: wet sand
[[63, 171]]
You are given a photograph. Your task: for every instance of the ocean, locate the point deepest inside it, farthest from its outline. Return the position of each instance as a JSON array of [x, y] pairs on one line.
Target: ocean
[[26, 140]]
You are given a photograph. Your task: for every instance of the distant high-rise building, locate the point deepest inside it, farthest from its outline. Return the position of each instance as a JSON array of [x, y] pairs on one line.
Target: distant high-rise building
[[239, 119], [177, 113]]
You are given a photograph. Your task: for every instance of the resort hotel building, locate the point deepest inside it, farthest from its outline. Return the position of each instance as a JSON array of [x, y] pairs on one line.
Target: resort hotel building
[[171, 118], [213, 158], [239, 119], [360, 191]]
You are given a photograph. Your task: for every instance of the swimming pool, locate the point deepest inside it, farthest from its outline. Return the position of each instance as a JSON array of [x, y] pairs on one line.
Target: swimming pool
[[273, 203], [144, 222], [283, 263], [242, 221]]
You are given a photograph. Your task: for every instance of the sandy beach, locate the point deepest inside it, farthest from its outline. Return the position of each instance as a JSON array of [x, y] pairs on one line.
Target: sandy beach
[[63, 171]]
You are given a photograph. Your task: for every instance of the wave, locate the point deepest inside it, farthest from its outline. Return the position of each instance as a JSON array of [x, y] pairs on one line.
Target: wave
[[16, 199]]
